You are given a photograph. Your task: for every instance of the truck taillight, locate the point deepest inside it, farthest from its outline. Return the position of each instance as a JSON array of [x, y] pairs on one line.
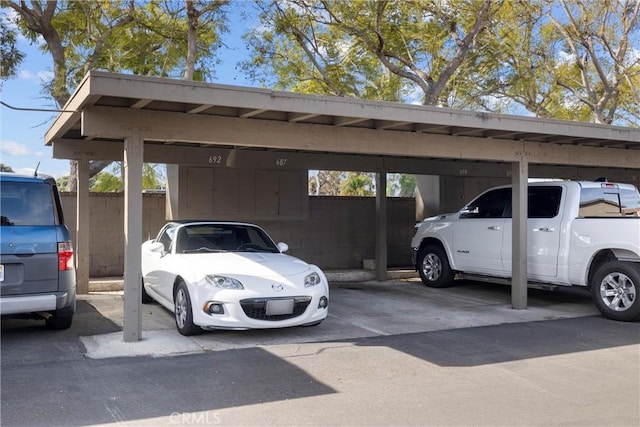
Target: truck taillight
[[65, 256]]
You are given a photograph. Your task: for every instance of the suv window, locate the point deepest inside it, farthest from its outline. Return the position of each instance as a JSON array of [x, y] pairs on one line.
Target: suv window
[[27, 204]]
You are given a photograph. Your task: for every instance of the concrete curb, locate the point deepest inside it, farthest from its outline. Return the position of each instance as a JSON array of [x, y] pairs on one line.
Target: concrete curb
[[114, 284]]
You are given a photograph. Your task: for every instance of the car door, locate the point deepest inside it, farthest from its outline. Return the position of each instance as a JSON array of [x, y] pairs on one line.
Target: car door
[[543, 233], [478, 234], [156, 263]]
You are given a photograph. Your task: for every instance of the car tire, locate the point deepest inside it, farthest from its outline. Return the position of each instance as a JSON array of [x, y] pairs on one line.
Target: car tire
[[183, 312], [615, 288], [146, 299], [59, 322], [433, 266]]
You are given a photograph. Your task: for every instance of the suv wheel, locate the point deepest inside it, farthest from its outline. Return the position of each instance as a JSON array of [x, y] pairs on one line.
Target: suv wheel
[[59, 322]]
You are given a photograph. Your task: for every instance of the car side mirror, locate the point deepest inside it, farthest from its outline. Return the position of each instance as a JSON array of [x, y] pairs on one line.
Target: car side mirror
[[156, 247], [469, 212], [283, 247]]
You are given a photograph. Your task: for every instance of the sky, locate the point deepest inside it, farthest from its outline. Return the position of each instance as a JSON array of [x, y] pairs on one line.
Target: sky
[[22, 132]]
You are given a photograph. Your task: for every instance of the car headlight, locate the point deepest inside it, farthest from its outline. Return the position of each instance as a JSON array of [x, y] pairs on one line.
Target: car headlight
[[311, 280], [223, 282]]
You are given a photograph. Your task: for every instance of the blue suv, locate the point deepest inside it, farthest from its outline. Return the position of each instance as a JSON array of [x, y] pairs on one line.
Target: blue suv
[[37, 272]]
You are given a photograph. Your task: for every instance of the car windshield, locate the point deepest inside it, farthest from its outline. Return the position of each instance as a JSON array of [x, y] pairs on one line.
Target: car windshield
[[203, 238]]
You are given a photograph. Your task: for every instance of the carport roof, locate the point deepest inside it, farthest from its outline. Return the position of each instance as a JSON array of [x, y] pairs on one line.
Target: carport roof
[[188, 97], [152, 97]]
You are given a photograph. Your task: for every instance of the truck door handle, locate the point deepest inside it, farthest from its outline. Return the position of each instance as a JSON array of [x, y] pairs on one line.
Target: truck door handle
[[545, 229], [494, 228]]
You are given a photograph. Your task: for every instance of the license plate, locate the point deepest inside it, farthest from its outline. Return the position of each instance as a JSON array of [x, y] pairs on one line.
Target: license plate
[[1, 273], [279, 306]]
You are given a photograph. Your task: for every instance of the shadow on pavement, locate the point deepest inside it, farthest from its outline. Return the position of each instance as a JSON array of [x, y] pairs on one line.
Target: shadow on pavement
[[29, 341], [512, 342], [116, 390]]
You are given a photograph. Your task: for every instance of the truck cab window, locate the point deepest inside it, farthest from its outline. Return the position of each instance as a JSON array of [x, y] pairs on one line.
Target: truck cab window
[[608, 202], [544, 202], [493, 204]]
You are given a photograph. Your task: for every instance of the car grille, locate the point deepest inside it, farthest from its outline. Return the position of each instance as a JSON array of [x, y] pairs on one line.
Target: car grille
[[255, 308]]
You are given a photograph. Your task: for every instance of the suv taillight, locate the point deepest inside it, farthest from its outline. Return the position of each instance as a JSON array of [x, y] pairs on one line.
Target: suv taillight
[[65, 256]]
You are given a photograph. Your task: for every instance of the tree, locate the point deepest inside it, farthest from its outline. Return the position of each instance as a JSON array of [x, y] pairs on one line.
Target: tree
[[371, 49], [10, 55], [122, 35], [5, 168], [326, 183], [573, 60], [63, 183], [358, 184], [45, 19], [153, 178], [401, 185], [200, 15], [105, 182], [394, 51], [597, 38]]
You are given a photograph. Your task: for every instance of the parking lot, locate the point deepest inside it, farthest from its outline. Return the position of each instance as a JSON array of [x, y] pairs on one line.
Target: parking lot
[[390, 353], [357, 310]]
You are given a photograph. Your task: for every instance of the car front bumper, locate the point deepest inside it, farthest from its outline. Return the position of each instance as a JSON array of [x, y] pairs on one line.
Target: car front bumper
[[246, 310]]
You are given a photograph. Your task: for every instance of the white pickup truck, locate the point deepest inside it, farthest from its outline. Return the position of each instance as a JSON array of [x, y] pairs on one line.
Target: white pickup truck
[[578, 233]]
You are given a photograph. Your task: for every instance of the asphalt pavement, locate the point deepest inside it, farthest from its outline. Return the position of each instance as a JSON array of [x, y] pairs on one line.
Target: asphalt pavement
[[390, 353]]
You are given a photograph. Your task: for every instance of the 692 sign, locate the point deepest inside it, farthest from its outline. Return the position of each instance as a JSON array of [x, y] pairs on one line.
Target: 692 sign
[[215, 160]]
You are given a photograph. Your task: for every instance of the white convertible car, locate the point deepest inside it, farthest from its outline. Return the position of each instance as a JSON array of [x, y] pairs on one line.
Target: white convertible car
[[228, 275]]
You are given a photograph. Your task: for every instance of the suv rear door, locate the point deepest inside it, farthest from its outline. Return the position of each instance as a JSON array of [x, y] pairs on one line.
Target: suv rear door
[[29, 241]]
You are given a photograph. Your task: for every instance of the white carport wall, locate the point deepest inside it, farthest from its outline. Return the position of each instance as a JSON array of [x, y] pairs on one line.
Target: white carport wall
[[116, 117]]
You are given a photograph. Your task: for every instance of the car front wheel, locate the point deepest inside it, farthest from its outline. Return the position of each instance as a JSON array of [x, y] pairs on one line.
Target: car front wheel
[[183, 312], [433, 267], [615, 288], [146, 298]]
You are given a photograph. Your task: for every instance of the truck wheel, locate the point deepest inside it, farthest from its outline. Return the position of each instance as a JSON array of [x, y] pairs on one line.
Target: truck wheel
[[433, 266], [616, 290]]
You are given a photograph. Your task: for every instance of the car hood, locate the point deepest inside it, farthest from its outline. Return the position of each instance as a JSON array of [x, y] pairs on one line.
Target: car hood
[[244, 263]]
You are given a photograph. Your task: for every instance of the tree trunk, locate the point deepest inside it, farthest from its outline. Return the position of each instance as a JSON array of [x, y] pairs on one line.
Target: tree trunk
[[192, 24]]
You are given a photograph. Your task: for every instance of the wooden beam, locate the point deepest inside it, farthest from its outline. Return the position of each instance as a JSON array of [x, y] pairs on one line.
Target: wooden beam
[[137, 104], [108, 122]]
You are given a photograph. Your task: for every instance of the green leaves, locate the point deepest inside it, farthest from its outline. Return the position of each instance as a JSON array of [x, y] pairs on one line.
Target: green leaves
[[566, 59], [10, 55]]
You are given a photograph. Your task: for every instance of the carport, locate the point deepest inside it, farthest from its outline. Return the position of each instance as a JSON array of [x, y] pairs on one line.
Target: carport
[[143, 119]]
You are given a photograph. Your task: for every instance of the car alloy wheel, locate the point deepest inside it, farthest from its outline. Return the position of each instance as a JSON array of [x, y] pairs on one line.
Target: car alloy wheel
[[617, 291], [182, 311], [181, 308], [432, 267], [615, 288]]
